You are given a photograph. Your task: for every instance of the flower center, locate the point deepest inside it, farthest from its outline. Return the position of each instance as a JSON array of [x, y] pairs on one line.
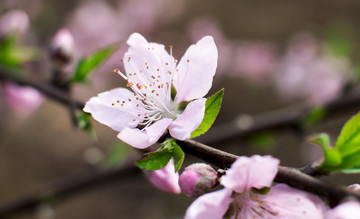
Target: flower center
[[251, 205], [151, 87]]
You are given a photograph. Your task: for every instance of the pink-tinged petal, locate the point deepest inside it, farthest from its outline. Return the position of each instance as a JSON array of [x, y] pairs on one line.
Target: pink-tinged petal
[[346, 210], [182, 127], [210, 206], [196, 70], [144, 138], [149, 59], [250, 172], [166, 179], [288, 202], [105, 109]]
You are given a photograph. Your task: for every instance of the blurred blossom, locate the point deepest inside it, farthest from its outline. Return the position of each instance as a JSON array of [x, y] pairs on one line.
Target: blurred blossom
[[146, 15], [93, 32], [166, 179], [307, 73], [346, 210], [22, 100], [14, 22], [254, 60], [62, 46], [198, 179], [355, 187]]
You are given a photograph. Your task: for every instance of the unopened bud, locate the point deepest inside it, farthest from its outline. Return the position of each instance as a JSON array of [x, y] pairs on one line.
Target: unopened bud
[[355, 187], [14, 22], [62, 47], [197, 179], [166, 179]]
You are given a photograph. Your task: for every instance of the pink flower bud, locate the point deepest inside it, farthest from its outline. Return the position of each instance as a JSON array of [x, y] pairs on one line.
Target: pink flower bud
[[14, 22], [166, 179], [22, 100], [62, 47], [355, 187], [197, 179]]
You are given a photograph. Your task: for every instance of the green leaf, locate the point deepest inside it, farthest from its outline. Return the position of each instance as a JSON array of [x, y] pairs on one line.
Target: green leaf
[[84, 122], [89, 63], [332, 157], [315, 115], [12, 55], [155, 160], [351, 171], [212, 108], [178, 156], [321, 140], [348, 141]]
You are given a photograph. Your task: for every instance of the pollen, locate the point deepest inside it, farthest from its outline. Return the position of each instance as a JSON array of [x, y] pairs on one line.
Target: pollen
[[138, 85]]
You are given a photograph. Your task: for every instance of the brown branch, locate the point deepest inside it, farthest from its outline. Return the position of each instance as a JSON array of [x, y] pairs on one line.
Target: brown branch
[[49, 90], [291, 176]]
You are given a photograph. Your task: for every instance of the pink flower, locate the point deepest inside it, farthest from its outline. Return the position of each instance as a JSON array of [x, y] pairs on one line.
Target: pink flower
[[143, 115], [238, 199], [62, 46], [255, 60], [14, 22], [346, 210], [23, 100], [166, 179]]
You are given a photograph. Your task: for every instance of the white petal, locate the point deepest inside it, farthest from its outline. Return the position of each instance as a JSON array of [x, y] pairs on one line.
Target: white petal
[[293, 203], [148, 61], [144, 138], [114, 116], [210, 206], [182, 127], [196, 70], [250, 172], [346, 210]]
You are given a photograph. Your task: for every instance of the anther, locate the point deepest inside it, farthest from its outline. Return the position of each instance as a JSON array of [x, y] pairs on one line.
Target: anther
[[129, 99], [122, 60], [116, 71], [138, 85], [113, 104], [129, 84]]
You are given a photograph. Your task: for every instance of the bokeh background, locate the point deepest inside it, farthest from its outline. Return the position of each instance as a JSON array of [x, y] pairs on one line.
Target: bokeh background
[[272, 55]]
